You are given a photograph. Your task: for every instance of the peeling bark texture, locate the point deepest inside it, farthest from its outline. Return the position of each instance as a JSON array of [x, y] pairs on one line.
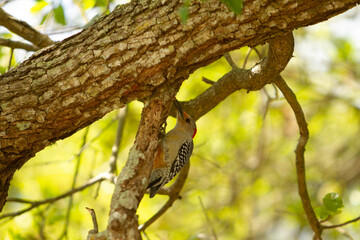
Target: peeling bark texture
[[133, 52]]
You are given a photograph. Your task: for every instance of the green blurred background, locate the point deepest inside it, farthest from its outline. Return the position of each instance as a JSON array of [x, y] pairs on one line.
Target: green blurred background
[[243, 165]]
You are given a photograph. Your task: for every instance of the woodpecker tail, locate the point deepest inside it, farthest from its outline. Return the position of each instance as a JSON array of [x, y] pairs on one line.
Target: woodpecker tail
[[154, 186]]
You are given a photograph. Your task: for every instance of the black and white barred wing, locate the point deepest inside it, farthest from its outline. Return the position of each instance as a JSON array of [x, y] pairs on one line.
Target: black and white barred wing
[[182, 158]]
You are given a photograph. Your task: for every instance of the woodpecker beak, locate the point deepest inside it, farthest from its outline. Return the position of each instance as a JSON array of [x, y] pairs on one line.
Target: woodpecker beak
[[178, 108]]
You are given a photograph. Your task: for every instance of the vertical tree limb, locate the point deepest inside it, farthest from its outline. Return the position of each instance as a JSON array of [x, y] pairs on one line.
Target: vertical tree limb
[[132, 182], [299, 152]]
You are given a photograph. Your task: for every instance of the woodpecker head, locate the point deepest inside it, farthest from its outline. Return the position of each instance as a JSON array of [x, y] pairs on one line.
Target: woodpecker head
[[184, 121]]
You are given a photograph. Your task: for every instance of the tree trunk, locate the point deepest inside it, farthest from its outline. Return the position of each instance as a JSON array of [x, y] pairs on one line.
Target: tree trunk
[[137, 50]]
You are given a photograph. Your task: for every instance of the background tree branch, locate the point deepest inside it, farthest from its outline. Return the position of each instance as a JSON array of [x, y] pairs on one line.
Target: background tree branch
[[299, 152], [24, 30], [16, 44]]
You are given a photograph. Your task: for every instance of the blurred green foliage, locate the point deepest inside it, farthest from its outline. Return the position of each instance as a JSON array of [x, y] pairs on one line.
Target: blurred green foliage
[[235, 5], [59, 15], [243, 165]]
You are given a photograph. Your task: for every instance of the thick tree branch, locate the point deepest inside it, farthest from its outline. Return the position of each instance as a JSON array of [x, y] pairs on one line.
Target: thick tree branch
[[279, 54], [16, 44], [24, 30]]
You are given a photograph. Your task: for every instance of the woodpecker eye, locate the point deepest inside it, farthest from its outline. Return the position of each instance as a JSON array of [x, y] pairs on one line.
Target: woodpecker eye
[[188, 120]]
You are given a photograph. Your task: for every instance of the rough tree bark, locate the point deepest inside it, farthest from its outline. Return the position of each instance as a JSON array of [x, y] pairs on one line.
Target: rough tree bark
[[136, 52]]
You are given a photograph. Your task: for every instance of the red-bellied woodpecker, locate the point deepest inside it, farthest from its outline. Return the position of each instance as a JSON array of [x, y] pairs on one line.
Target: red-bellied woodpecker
[[173, 151]]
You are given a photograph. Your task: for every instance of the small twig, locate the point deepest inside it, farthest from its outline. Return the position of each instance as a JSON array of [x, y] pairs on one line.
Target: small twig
[[344, 232], [247, 57], [34, 204], [267, 105], [299, 152], [3, 3], [119, 133], [269, 100], [211, 226], [147, 237], [276, 91], [82, 11], [16, 44], [41, 223], [175, 190], [93, 218], [325, 220], [208, 81], [84, 147], [24, 30], [121, 116], [260, 56], [76, 172], [11, 56], [230, 60], [342, 224], [66, 30]]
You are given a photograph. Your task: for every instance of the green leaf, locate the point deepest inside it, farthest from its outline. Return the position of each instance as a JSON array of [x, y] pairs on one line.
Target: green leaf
[[235, 5], [59, 15], [333, 202], [101, 3], [38, 6], [43, 19], [184, 13], [344, 49], [322, 212]]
